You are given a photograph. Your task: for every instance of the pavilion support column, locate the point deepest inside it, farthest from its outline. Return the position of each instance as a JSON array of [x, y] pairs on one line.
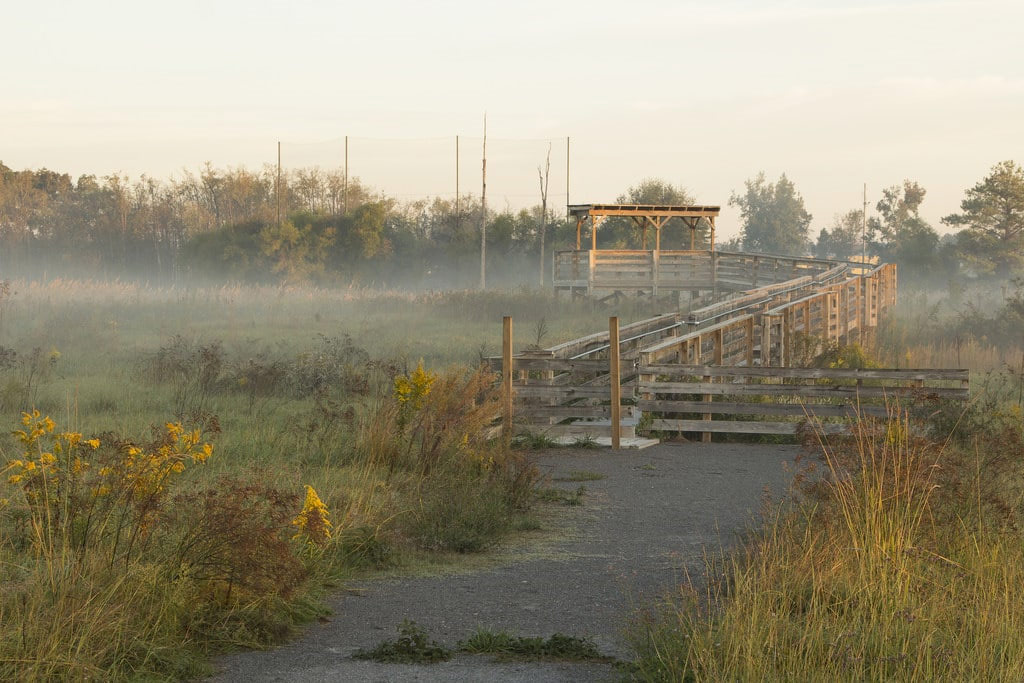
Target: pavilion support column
[[579, 227], [712, 221]]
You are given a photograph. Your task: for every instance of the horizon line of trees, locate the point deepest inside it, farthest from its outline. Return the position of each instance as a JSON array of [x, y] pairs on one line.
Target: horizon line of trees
[[223, 224]]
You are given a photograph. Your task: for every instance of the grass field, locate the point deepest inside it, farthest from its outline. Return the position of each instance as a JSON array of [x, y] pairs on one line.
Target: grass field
[[204, 462], [896, 556]]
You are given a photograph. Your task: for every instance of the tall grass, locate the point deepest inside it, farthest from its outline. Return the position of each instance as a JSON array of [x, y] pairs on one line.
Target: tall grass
[[109, 571], [900, 561]]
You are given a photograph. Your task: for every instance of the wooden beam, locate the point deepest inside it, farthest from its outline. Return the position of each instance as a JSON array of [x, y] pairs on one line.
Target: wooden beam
[[506, 377], [615, 379]]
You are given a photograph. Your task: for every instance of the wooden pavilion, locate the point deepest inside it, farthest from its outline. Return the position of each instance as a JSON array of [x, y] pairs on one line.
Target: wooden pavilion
[[644, 216]]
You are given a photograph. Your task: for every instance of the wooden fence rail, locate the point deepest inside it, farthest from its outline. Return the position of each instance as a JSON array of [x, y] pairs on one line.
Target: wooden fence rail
[[689, 391], [724, 367]]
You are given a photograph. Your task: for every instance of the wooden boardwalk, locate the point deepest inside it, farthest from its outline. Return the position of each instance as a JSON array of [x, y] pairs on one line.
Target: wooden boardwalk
[[726, 366]]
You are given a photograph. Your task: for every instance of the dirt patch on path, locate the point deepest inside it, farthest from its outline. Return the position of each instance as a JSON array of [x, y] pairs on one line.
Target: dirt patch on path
[[641, 528]]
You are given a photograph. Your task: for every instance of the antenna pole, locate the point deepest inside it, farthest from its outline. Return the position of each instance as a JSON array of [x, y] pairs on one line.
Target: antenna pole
[[458, 199], [864, 229], [277, 188], [483, 215]]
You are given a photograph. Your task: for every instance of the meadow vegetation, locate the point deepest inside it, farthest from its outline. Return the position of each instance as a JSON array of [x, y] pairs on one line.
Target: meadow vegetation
[[189, 470], [897, 555]]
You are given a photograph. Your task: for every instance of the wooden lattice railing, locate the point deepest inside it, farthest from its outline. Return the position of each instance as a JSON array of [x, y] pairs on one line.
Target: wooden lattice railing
[[739, 347]]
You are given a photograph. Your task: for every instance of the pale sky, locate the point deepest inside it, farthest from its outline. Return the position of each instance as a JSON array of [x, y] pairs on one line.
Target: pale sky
[[834, 93]]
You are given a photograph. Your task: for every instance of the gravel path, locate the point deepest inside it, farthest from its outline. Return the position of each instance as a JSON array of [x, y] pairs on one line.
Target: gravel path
[[641, 528]]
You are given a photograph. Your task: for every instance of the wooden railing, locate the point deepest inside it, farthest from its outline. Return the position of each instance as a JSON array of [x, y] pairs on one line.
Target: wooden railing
[[696, 398], [680, 371], [655, 273]]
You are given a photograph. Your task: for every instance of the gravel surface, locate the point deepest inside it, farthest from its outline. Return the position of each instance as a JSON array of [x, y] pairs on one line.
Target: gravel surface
[[641, 528]]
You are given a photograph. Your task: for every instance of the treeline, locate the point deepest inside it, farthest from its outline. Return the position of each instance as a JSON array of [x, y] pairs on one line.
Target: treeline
[[988, 243], [223, 223]]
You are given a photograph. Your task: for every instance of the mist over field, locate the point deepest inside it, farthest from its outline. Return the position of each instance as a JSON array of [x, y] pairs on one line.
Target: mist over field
[[233, 386]]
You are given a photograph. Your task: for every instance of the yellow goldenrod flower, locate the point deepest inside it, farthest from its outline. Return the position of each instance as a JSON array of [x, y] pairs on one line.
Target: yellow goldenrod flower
[[95, 443], [313, 521]]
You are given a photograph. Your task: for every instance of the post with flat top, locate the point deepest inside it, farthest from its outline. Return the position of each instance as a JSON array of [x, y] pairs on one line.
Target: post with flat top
[[506, 377], [614, 379]]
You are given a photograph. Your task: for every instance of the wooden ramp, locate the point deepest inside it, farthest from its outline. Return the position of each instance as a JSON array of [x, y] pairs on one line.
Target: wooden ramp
[[725, 367]]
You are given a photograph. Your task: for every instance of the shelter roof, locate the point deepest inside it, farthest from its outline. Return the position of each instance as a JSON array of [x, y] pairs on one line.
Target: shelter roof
[[639, 210]]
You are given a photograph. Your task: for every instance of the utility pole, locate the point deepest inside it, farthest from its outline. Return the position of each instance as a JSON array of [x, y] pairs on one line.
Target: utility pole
[[544, 176], [458, 199], [483, 215], [863, 290], [864, 229], [344, 190], [277, 187], [567, 177]]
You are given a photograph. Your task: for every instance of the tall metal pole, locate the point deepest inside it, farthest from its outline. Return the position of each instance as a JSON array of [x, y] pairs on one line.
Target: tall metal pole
[[458, 199], [483, 215], [567, 178], [344, 191], [862, 317], [864, 229], [277, 188]]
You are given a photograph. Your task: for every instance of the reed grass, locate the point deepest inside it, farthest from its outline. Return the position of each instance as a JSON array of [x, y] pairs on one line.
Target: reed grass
[[898, 561]]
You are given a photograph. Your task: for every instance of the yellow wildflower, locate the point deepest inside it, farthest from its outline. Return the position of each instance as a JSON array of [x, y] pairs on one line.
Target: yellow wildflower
[[14, 478], [95, 443], [313, 521]]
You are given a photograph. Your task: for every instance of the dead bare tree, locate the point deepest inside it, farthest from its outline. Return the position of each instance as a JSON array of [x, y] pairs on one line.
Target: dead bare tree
[[544, 176]]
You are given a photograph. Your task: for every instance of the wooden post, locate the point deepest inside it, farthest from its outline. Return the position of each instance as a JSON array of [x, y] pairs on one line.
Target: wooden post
[[706, 436], [749, 334], [655, 266], [506, 377], [615, 379], [592, 254], [785, 352]]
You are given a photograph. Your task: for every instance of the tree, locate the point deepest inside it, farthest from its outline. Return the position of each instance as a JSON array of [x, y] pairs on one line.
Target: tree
[[993, 217], [622, 232], [844, 241], [899, 234], [544, 177], [774, 218]]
